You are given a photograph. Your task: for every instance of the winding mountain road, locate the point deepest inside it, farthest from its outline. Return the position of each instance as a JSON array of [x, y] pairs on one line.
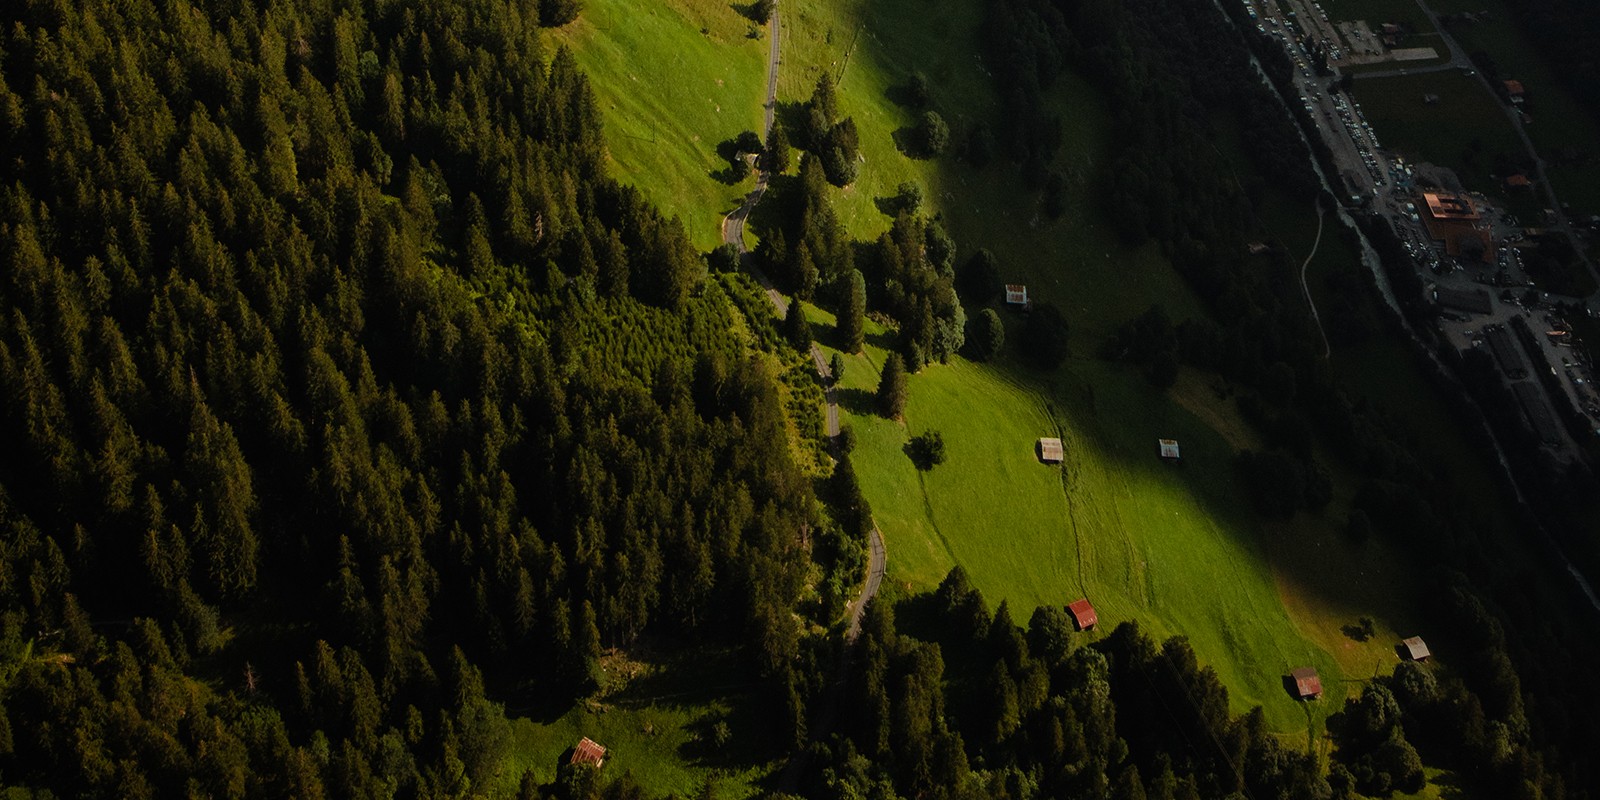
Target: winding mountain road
[[733, 233]]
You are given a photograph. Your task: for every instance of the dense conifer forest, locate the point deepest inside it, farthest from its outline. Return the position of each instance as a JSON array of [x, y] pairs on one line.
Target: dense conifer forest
[[339, 379]]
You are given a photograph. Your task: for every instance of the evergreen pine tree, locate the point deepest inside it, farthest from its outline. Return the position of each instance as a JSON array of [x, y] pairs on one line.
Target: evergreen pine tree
[[892, 387], [852, 318]]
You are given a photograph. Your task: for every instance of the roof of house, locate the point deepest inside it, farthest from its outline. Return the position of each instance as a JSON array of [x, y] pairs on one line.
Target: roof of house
[[1083, 614], [1050, 450], [1016, 294], [1518, 181], [1306, 682], [588, 752], [1514, 88], [1417, 648], [1169, 448]]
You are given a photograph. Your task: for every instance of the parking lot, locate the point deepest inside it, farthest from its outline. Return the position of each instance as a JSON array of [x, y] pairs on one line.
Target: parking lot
[[1383, 183]]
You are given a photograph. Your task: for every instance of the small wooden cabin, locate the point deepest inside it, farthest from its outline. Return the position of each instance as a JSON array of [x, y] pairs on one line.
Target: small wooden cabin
[[1083, 614], [1051, 451], [1416, 649], [589, 753], [1307, 686]]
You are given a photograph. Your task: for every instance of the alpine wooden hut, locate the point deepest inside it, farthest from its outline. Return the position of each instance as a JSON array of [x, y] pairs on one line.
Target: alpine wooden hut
[[1051, 451], [1307, 686], [1083, 615], [1416, 649], [589, 753]]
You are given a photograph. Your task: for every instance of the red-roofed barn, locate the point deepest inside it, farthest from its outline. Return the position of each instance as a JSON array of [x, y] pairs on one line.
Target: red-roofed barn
[[1083, 615], [589, 753], [1307, 686]]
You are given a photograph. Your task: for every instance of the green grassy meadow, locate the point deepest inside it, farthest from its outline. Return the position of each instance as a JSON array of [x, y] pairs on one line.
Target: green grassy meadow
[[673, 79], [1175, 548], [656, 718], [1171, 547], [1466, 130], [1377, 12]]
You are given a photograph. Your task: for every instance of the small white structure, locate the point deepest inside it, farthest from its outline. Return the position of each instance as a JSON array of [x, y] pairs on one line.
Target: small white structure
[[1051, 451], [1169, 449], [1017, 295], [1416, 648]]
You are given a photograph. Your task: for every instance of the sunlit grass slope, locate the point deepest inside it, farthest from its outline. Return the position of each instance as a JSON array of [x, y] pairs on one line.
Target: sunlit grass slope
[[1175, 548], [672, 80]]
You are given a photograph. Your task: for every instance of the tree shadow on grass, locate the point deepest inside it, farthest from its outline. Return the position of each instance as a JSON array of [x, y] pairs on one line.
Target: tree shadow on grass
[[1361, 632], [857, 401], [883, 340]]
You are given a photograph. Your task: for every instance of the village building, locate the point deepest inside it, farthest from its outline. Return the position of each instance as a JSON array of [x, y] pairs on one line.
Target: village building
[[1168, 449], [1017, 295], [1452, 219]]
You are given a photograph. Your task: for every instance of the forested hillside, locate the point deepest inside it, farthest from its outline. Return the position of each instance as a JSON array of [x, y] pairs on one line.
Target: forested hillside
[[339, 380]]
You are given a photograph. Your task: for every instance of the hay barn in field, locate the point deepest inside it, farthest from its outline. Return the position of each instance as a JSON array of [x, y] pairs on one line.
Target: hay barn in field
[[1051, 451], [1083, 614], [1307, 686]]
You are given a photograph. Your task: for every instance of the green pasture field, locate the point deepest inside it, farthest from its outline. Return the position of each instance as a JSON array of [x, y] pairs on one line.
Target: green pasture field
[[669, 93], [656, 718], [1377, 12], [1559, 121], [1171, 547], [1465, 131], [1174, 547]]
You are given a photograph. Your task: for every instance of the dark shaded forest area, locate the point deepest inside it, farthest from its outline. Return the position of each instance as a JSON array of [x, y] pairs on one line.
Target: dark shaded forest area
[[339, 380]]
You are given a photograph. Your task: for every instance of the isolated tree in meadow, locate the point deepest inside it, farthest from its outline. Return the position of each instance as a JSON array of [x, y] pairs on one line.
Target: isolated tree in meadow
[[918, 92], [747, 142], [908, 197], [978, 280], [988, 334], [935, 134], [926, 450], [892, 387], [853, 313]]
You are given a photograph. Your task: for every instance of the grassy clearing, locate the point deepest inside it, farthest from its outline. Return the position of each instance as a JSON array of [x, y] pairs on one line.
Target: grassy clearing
[[1377, 12], [1170, 547], [656, 717], [673, 80], [1466, 130]]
